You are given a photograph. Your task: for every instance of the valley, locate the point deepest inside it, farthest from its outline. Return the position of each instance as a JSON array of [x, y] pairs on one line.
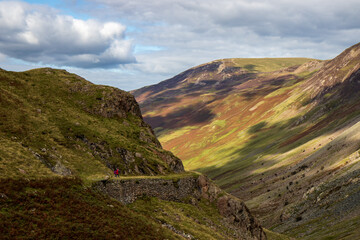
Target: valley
[[281, 134], [63, 137]]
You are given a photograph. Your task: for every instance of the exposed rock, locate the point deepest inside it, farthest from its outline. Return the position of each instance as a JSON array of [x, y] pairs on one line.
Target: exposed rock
[[186, 189], [59, 168], [130, 162], [117, 103], [174, 163]]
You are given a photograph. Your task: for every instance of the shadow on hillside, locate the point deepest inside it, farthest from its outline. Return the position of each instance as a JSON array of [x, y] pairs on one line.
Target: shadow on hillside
[[189, 115], [341, 91], [159, 100], [254, 89], [281, 137], [335, 107], [250, 67]]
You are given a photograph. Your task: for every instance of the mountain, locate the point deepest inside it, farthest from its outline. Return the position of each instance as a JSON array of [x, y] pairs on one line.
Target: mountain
[[61, 139], [282, 134]]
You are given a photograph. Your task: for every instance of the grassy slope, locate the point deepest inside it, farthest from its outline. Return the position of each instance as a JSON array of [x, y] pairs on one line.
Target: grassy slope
[[235, 126], [45, 112], [61, 208], [48, 208], [266, 64], [270, 143], [201, 221]]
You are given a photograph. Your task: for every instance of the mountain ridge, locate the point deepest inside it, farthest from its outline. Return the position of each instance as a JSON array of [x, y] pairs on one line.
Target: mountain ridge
[[269, 137]]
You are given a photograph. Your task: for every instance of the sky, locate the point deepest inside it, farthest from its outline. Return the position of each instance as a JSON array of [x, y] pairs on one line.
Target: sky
[[134, 43]]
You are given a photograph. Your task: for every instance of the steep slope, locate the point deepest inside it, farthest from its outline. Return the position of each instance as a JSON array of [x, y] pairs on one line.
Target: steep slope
[[74, 127], [270, 137], [61, 137]]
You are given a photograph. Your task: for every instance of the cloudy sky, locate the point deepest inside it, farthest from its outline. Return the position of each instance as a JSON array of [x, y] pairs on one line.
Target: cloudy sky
[[132, 43]]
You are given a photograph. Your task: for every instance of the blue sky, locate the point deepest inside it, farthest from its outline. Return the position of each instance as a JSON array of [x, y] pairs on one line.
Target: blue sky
[[130, 44]]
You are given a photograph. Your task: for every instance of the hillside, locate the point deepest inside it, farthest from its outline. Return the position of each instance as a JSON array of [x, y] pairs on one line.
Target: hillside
[[50, 116], [61, 138], [281, 134]]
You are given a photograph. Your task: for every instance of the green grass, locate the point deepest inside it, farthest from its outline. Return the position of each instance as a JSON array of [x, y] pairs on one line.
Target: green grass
[[174, 134], [173, 176], [267, 64], [276, 236], [56, 116]]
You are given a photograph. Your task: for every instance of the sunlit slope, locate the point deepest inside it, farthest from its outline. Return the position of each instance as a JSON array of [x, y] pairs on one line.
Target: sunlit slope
[[56, 123], [209, 116], [268, 137]]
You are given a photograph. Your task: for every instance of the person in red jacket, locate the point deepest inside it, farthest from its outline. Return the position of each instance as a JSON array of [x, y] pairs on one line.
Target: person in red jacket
[[117, 172]]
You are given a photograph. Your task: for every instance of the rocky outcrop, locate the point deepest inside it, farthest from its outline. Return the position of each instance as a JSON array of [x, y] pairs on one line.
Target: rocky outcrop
[[117, 103], [108, 102], [174, 163], [340, 75], [131, 162], [190, 189]]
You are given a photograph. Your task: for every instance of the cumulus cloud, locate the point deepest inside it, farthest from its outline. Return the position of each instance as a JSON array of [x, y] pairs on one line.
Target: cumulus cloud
[[263, 16], [174, 35], [39, 34], [193, 32]]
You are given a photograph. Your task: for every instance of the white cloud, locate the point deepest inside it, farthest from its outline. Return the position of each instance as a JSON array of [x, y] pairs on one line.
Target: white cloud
[[39, 34], [191, 32], [173, 35]]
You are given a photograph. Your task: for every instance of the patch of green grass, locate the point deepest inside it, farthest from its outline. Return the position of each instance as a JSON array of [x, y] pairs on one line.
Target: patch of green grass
[[176, 133], [267, 64], [276, 236], [219, 123], [174, 177]]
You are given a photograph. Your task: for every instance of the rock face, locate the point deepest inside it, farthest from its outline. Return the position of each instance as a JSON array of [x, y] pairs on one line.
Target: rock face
[[132, 162], [338, 76], [189, 190], [117, 103]]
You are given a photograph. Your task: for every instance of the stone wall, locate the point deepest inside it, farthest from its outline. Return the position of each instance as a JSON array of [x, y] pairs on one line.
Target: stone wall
[[127, 191], [189, 190]]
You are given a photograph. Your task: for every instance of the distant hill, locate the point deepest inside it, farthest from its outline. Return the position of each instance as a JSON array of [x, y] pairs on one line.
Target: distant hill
[[280, 133]]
